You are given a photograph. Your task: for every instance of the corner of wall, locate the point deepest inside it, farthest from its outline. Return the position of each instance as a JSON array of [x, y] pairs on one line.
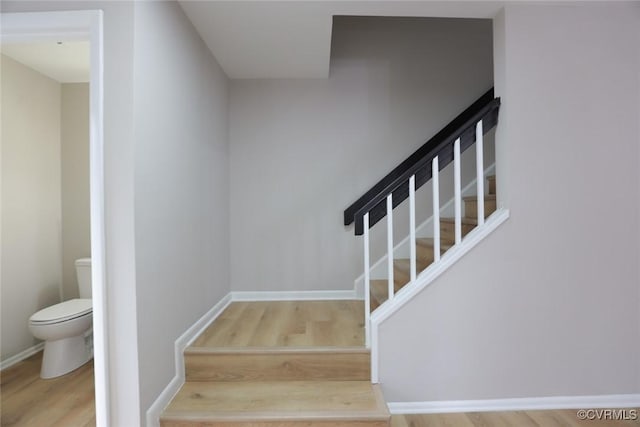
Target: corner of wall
[[500, 88]]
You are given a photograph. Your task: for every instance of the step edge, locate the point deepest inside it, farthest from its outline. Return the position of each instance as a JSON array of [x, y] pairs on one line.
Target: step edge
[[464, 220], [428, 242], [242, 416], [274, 350], [381, 403]]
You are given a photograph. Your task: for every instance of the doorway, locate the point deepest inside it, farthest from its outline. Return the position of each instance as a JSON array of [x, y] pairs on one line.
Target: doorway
[[73, 26]]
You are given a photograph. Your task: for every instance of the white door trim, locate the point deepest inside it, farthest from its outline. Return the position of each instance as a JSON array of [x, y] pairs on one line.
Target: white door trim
[[72, 26]]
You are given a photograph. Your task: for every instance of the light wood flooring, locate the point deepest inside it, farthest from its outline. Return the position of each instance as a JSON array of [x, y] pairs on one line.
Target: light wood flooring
[[281, 403], [28, 400], [287, 324], [555, 418], [280, 363]]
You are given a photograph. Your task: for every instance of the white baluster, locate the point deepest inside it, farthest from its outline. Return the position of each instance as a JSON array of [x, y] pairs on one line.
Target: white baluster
[[436, 209], [367, 282], [480, 173], [390, 244], [412, 226], [457, 191]]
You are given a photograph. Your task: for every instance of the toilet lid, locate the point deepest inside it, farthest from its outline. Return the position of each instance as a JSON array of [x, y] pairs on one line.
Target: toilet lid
[[64, 311]]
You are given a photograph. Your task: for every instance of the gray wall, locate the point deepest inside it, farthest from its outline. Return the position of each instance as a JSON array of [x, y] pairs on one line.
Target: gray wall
[[547, 305], [181, 186], [193, 120], [31, 262], [76, 224], [304, 150], [45, 197], [119, 198]]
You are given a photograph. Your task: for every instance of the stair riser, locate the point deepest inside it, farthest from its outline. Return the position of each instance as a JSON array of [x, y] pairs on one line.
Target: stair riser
[[424, 258], [492, 185], [400, 278], [375, 303], [448, 230], [281, 367], [471, 208], [281, 423]]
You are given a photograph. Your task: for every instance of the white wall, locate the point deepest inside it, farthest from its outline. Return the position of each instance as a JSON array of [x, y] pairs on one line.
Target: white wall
[[119, 198], [303, 150], [548, 304], [76, 236], [31, 213], [191, 116], [181, 186]]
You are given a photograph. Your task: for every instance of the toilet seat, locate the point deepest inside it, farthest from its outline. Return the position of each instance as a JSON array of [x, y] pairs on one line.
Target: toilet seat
[[62, 312]]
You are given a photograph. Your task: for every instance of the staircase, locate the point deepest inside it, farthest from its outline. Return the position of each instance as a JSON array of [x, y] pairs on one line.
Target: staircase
[[315, 363], [425, 246], [283, 363]]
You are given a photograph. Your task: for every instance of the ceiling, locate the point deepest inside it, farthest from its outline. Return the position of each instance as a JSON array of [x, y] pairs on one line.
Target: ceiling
[[66, 62], [292, 39], [257, 39]]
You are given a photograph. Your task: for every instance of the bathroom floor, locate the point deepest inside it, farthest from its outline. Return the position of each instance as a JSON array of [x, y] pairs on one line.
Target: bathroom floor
[[28, 400]]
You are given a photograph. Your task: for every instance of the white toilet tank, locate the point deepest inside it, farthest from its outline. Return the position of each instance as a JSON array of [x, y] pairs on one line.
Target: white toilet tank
[[83, 274]]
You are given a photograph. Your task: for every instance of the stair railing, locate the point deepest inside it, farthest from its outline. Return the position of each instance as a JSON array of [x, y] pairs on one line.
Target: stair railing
[[401, 183]]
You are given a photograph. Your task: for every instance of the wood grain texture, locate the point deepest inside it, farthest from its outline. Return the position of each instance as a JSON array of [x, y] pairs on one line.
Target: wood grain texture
[[277, 401], [492, 184], [379, 291], [280, 423], [448, 228], [551, 418], [28, 400], [287, 324], [471, 206], [280, 363], [272, 364]]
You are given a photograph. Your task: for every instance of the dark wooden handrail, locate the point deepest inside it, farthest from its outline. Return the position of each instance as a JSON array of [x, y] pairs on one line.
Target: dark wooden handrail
[[418, 164]]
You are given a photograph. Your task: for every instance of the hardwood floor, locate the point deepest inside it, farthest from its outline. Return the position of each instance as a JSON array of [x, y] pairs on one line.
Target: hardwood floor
[[231, 361], [287, 324], [277, 364], [289, 403], [552, 418], [28, 400]]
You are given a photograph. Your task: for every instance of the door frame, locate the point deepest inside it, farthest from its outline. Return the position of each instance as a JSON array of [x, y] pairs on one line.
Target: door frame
[[32, 27]]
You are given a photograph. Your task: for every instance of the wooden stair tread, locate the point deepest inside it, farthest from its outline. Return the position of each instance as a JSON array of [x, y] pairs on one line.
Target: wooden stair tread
[[284, 401], [379, 291], [404, 264], [465, 220], [428, 241], [274, 350], [286, 324]]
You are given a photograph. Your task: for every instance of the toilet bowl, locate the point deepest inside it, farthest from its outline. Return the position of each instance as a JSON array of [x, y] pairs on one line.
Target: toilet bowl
[[64, 328]]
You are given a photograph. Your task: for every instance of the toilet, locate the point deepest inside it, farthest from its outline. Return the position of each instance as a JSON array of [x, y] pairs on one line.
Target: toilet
[[64, 328]]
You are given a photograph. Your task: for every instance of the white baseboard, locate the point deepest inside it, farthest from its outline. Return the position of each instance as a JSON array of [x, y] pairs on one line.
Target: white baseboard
[[293, 295], [154, 411], [21, 356], [517, 404], [156, 408]]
